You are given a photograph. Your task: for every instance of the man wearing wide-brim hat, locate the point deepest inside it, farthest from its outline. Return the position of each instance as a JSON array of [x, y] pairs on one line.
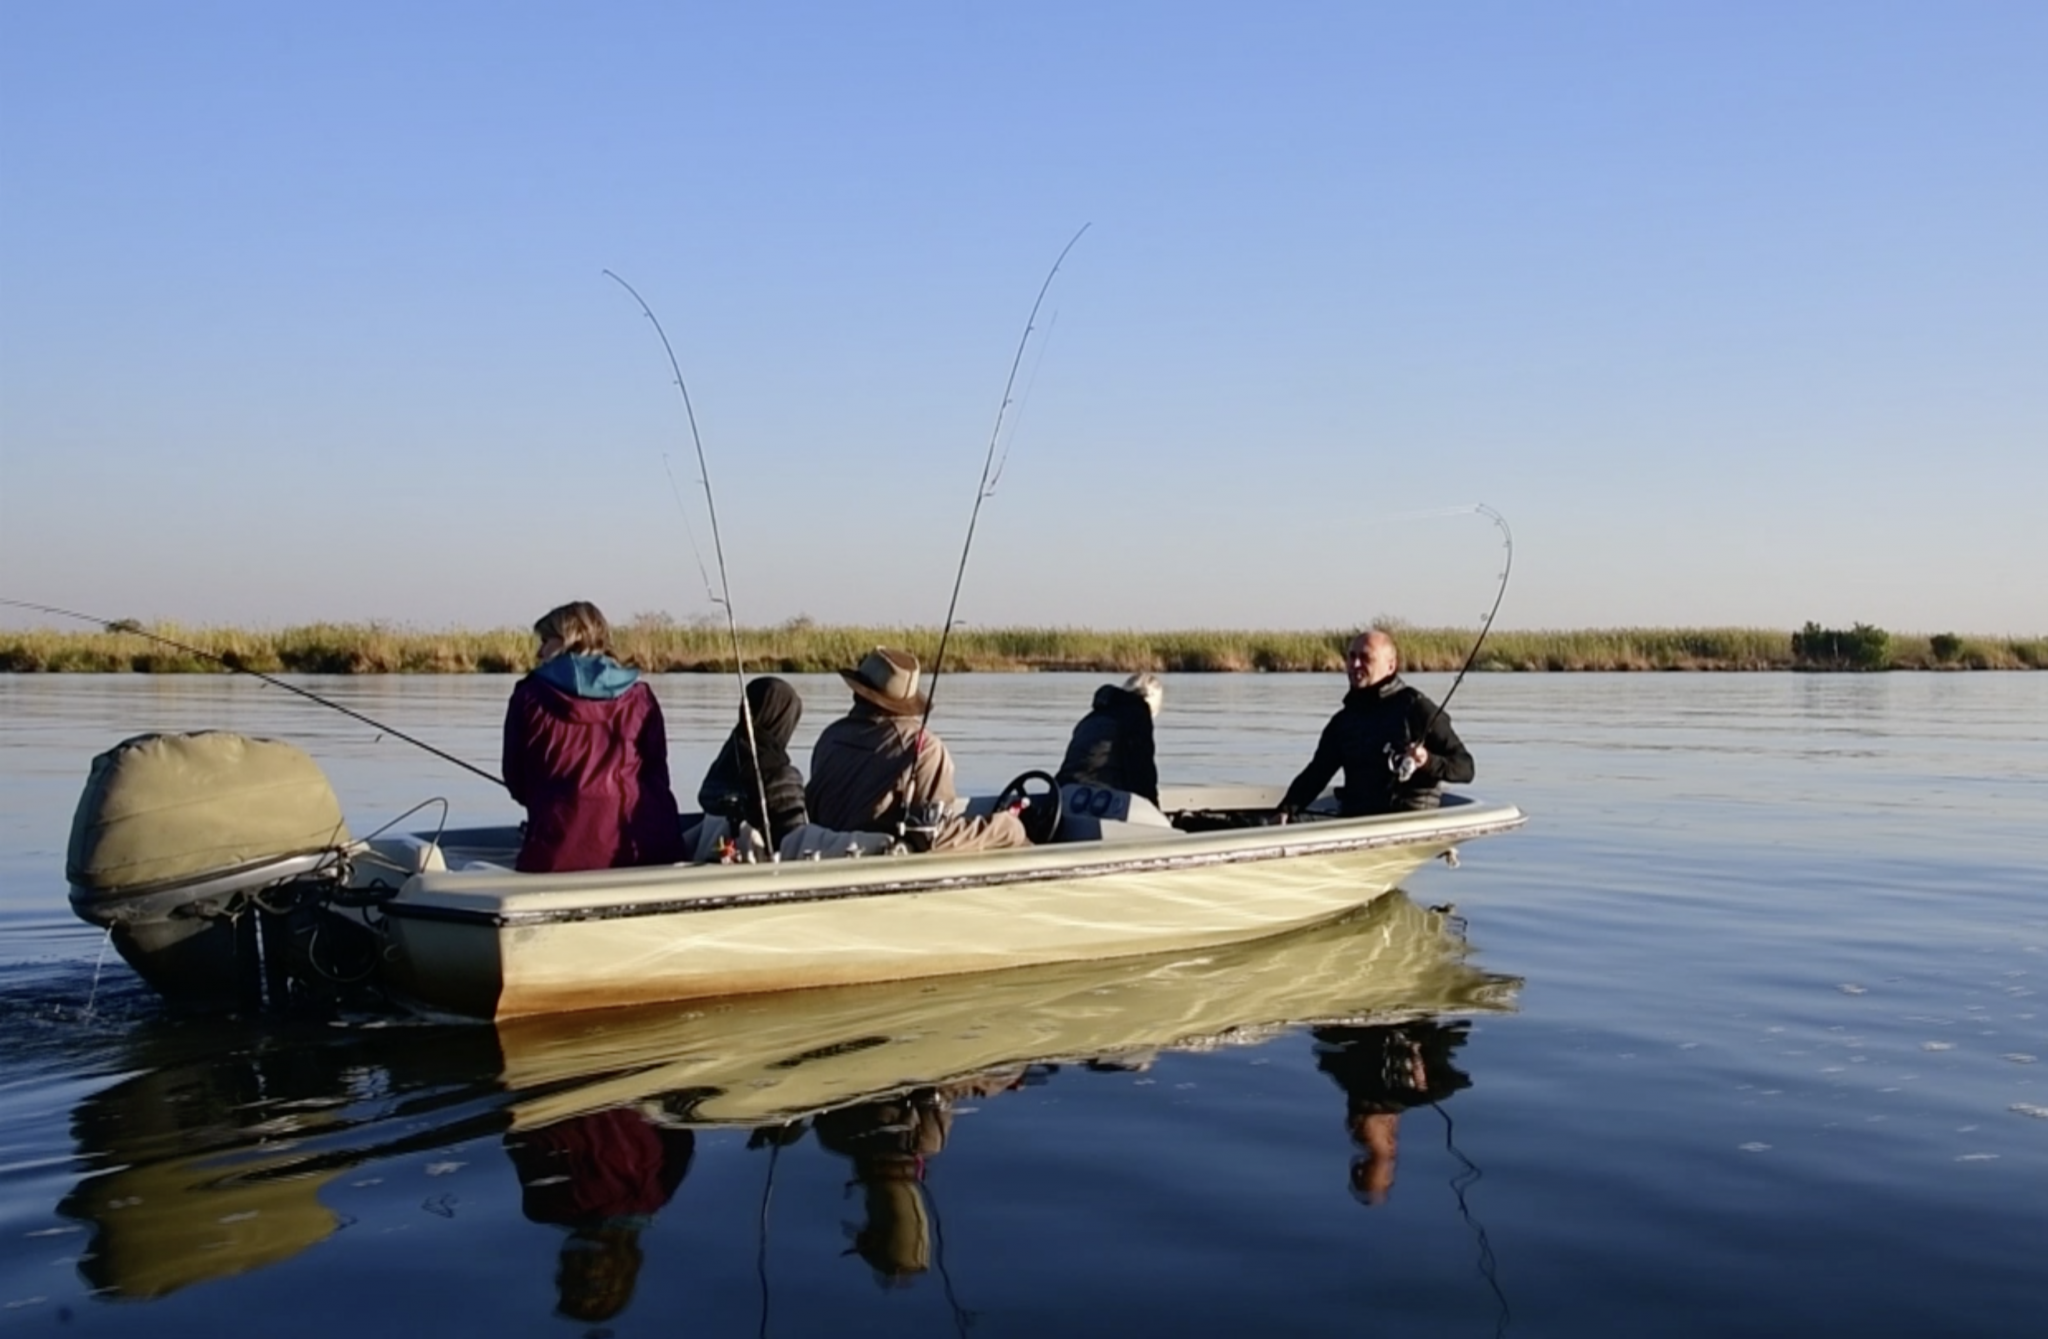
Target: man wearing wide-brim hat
[[872, 763]]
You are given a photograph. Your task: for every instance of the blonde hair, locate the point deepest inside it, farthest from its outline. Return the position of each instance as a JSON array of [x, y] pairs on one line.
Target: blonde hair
[[579, 626], [1148, 687]]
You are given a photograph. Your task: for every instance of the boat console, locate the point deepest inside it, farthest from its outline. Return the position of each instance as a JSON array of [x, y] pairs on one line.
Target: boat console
[[1103, 814]]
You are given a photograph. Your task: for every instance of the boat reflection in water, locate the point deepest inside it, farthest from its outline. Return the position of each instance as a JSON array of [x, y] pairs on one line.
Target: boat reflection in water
[[603, 1175], [215, 1163], [210, 1160]]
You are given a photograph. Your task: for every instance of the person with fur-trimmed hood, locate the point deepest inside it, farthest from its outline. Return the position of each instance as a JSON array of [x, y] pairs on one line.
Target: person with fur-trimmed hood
[[873, 763], [1112, 746], [586, 754]]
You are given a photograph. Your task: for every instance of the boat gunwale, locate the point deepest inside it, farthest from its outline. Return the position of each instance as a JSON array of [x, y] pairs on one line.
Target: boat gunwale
[[1486, 821]]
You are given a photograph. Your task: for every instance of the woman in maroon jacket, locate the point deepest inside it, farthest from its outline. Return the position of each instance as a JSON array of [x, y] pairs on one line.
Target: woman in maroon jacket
[[586, 754]]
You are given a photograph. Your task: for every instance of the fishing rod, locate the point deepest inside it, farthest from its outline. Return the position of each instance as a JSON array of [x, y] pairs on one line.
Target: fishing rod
[[991, 469], [134, 629], [1403, 764], [724, 598], [1507, 538]]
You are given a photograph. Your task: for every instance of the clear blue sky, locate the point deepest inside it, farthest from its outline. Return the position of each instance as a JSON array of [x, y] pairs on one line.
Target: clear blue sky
[[1737, 311]]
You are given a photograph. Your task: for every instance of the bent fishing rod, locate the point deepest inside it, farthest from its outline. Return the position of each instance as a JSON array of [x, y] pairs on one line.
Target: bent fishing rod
[[723, 598], [1399, 760], [133, 629], [991, 470], [1507, 538]]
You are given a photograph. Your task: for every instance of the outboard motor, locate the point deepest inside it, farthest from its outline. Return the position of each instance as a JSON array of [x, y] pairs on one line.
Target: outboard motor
[[195, 850]]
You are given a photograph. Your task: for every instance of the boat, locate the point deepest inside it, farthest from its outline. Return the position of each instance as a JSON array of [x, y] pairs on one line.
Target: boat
[[224, 871], [226, 1149]]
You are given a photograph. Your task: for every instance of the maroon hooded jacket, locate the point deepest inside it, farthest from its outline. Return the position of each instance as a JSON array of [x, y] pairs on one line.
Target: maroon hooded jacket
[[586, 754]]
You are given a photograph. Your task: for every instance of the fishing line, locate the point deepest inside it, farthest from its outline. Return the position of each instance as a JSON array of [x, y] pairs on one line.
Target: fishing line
[[1427, 514], [724, 598], [1461, 1181], [677, 493], [983, 489], [130, 627], [92, 996], [761, 1251], [962, 1317]]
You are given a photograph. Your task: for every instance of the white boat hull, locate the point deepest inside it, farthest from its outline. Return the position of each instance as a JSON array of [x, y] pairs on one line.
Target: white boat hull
[[486, 943]]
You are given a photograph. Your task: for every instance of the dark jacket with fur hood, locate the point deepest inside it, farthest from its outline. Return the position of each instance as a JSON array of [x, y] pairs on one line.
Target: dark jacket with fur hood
[[1112, 746], [731, 789]]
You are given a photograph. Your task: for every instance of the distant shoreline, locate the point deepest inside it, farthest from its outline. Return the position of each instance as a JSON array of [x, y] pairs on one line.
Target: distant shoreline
[[799, 647]]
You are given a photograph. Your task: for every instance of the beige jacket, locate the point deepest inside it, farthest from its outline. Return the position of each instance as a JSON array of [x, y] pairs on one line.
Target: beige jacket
[[862, 769]]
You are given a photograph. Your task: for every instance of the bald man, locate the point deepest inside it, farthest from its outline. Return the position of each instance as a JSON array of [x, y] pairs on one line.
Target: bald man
[[1382, 721]]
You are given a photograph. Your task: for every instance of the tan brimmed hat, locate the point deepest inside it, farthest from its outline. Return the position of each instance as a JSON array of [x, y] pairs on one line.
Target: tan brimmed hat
[[889, 680]]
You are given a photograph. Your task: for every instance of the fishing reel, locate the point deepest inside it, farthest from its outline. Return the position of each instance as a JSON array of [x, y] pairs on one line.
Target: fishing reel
[[1400, 763], [918, 827]]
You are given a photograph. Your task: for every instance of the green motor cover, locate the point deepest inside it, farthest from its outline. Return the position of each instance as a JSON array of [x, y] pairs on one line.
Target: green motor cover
[[161, 809]]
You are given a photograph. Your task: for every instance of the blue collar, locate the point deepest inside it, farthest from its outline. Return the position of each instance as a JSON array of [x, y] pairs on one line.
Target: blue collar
[[597, 677]]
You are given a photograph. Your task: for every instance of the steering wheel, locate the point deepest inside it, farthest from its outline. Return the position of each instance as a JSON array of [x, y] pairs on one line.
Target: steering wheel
[[1041, 808]]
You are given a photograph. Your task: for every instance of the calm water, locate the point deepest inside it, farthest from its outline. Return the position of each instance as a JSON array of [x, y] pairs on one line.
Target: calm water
[[1749, 1039]]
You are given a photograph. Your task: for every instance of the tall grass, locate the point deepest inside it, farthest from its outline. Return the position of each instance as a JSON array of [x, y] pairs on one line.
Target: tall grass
[[660, 646]]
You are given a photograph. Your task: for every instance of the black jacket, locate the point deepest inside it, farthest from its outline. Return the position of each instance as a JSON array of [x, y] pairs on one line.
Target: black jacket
[[730, 791], [1356, 740], [1112, 746]]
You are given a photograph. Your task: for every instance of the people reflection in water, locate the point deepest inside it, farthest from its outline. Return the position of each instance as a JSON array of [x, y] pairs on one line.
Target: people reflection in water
[[888, 1141], [1384, 1071], [603, 1176]]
